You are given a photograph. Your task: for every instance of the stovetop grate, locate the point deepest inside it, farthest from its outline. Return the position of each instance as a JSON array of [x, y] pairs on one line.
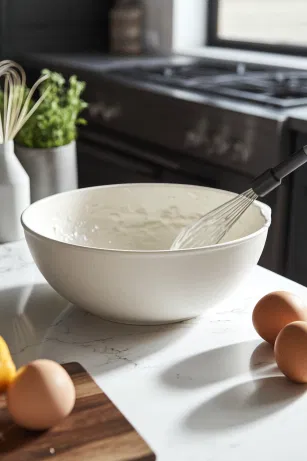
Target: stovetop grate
[[259, 84]]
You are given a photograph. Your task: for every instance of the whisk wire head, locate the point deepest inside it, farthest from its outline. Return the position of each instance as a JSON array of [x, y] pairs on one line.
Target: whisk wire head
[[211, 228], [16, 107]]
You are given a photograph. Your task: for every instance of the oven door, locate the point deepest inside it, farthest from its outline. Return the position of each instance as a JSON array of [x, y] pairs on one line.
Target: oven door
[[101, 165], [108, 158]]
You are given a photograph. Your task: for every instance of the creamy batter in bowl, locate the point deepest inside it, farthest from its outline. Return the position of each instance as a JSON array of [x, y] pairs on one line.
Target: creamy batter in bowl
[[106, 249]]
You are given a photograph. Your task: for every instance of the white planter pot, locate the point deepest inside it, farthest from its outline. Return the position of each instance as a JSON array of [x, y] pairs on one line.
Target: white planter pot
[[50, 170], [14, 194]]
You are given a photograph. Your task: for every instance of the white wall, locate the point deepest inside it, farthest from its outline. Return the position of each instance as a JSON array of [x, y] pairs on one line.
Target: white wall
[[189, 23], [175, 24]]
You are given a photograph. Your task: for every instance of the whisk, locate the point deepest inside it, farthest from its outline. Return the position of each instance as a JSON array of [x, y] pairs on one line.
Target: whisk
[[212, 227], [17, 108]]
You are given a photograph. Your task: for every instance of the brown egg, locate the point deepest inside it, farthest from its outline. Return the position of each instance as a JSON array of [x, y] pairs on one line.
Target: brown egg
[[274, 311], [41, 395], [291, 351]]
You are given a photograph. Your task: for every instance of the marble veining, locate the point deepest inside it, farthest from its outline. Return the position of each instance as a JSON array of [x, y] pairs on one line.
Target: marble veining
[[204, 389], [13, 257]]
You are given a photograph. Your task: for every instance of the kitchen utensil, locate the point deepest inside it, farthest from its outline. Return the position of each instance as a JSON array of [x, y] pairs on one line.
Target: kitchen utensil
[[94, 430], [213, 226], [127, 27], [15, 110], [106, 249]]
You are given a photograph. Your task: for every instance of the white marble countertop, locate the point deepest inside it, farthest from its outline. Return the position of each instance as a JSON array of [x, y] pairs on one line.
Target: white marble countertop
[[203, 390]]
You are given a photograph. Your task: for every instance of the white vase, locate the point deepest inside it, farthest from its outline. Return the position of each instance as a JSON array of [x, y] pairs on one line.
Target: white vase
[[14, 194], [51, 170]]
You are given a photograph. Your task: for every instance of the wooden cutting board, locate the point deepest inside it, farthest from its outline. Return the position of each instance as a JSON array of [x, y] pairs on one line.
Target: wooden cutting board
[[95, 431]]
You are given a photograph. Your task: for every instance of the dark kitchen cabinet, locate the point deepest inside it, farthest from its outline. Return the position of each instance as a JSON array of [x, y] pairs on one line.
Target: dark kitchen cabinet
[[100, 166], [179, 178], [53, 26]]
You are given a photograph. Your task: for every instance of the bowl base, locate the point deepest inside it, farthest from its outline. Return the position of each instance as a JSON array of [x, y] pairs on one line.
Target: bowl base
[[145, 323]]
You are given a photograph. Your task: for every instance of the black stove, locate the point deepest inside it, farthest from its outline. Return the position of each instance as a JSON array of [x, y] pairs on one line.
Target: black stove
[[280, 88]]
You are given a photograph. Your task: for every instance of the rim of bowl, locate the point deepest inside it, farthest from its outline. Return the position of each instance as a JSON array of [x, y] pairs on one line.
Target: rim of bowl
[[264, 209]]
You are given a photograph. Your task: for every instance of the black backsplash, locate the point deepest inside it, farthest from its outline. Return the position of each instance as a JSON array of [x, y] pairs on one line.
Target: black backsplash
[[53, 26]]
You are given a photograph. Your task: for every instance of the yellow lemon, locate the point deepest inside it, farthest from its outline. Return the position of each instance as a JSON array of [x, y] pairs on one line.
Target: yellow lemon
[[7, 366]]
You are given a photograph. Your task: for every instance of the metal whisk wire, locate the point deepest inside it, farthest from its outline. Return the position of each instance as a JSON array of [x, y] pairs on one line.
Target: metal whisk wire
[[212, 227]]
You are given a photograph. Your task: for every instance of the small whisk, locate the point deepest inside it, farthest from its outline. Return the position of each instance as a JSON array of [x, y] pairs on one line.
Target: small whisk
[[212, 227], [16, 105]]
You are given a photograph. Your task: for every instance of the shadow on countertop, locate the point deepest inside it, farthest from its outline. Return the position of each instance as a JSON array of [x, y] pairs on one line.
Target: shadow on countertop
[[36, 322], [244, 404], [219, 364]]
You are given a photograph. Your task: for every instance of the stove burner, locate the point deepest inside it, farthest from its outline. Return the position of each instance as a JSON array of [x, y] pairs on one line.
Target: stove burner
[[290, 87], [264, 85], [182, 72], [198, 70], [279, 89]]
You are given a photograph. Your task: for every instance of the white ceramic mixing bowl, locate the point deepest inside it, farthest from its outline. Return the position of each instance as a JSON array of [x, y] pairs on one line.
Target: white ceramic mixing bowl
[[105, 249]]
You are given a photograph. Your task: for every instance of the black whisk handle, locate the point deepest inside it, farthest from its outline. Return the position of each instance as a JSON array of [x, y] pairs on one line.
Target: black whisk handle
[[271, 178], [265, 183], [291, 164]]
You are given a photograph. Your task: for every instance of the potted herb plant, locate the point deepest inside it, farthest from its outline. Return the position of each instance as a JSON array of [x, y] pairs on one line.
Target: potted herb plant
[[46, 145]]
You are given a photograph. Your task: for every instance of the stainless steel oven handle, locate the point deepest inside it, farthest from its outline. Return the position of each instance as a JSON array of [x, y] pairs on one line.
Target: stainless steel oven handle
[[216, 142], [105, 112], [197, 136]]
